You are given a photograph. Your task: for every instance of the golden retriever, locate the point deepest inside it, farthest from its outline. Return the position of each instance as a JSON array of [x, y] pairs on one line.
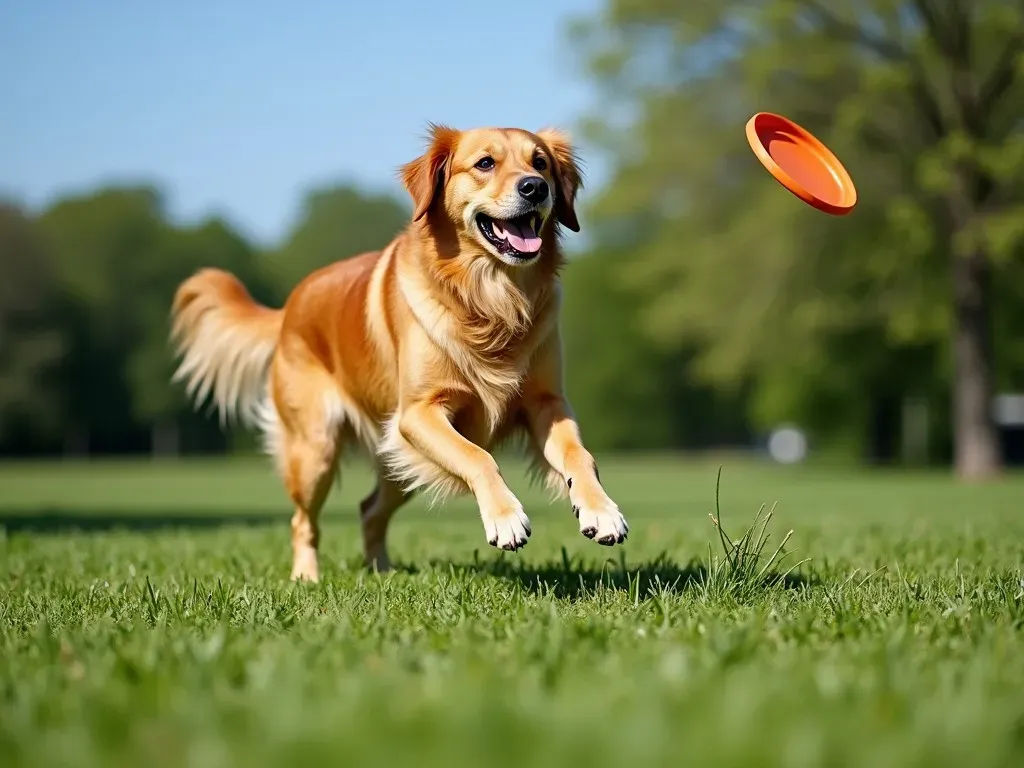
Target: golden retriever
[[429, 352]]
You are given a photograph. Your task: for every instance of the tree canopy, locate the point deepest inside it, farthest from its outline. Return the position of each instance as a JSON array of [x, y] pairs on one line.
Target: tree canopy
[[711, 306], [85, 293], [911, 295]]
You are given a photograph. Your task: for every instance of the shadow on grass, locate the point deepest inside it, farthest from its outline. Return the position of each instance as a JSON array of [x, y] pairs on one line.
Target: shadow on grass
[[580, 581], [60, 521]]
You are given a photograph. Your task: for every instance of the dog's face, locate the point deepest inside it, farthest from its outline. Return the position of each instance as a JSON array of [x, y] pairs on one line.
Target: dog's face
[[502, 189]]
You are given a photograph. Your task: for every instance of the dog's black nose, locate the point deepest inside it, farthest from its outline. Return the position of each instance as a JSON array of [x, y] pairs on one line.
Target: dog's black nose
[[533, 189]]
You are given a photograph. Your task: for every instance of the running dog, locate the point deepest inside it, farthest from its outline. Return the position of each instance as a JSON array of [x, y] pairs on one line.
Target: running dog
[[429, 353]]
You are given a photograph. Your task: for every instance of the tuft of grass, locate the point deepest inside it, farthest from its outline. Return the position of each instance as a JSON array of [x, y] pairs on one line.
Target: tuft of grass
[[746, 566]]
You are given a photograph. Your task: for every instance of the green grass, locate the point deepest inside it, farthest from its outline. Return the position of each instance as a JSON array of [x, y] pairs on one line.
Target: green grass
[[164, 635]]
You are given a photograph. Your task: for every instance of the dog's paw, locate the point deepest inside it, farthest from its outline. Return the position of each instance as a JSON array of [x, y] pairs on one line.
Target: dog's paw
[[509, 529], [305, 566], [601, 522]]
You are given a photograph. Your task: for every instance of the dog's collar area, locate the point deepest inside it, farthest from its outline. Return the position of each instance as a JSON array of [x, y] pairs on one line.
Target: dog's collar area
[[518, 237]]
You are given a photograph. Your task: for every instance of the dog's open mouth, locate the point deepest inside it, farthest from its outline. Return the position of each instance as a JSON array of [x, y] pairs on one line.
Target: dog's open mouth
[[516, 237]]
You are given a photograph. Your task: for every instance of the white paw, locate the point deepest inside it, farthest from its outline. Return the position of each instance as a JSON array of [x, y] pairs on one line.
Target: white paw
[[305, 565], [601, 522], [509, 529]]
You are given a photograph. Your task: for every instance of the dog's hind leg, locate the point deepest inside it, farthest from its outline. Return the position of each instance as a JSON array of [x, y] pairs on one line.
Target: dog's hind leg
[[306, 444], [310, 467], [376, 511]]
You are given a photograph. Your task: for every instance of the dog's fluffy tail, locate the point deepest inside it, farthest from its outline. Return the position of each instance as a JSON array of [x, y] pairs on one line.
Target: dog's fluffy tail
[[225, 341]]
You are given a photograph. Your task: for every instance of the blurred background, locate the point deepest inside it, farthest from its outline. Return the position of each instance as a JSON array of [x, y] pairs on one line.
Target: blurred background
[[707, 309]]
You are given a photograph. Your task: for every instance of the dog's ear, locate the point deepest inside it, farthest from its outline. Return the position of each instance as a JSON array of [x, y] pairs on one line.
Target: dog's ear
[[424, 176], [568, 175]]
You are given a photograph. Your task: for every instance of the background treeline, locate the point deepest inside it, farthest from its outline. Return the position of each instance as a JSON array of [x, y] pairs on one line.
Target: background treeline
[[710, 305], [85, 291]]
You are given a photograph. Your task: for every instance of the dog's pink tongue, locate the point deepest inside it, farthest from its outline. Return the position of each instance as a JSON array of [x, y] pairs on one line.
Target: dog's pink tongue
[[519, 236]]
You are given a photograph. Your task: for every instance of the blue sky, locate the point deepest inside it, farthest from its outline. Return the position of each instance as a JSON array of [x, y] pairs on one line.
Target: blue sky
[[236, 108]]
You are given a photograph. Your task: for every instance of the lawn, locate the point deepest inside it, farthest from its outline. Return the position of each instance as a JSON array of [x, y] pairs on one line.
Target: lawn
[[164, 632]]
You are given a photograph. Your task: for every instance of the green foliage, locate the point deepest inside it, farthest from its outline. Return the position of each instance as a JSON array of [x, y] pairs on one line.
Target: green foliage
[[30, 347], [628, 392], [85, 295], [713, 306], [617, 381], [899, 643], [336, 223], [102, 244], [176, 254], [921, 100]]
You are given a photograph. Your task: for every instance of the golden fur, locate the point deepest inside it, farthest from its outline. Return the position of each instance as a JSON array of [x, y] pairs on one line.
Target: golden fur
[[429, 352]]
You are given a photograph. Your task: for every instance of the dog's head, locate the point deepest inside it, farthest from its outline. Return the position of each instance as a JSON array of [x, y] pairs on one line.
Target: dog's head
[[503, 189]]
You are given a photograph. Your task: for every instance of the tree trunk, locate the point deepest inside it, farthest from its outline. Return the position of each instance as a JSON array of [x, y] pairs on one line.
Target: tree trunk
[[977, 451]]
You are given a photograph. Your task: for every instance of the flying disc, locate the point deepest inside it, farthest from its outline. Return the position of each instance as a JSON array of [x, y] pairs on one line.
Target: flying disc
[[801, 163]]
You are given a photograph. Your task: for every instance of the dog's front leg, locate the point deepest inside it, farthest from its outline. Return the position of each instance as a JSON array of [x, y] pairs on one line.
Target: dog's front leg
[[554, 431], [426, 425]]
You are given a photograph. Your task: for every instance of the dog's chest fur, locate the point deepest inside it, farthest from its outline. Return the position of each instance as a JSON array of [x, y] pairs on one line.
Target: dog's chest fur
[[495, 378], [493, 363], [486, 354]]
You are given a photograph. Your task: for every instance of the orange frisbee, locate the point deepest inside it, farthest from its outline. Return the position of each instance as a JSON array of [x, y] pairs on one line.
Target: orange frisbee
[[801, 163]]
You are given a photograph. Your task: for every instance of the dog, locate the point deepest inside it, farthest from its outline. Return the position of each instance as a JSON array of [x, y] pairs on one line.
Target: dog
[[428, 353]]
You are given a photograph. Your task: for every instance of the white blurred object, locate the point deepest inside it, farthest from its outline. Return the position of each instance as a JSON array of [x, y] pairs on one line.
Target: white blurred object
[[787, 445], [1008, 410]]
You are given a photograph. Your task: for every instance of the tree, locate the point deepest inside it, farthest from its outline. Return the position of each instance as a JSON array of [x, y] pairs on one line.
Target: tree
[[177, 253], [336, 223], [101, 244], [629, 393], [31, 345], [831, 319]]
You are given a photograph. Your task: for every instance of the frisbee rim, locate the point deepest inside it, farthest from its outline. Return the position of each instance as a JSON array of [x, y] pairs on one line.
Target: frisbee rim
[[826, 155]]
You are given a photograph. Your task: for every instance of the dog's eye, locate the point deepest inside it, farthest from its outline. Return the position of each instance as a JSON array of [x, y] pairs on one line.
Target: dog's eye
[[539, 163], [485, 163]]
